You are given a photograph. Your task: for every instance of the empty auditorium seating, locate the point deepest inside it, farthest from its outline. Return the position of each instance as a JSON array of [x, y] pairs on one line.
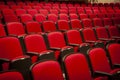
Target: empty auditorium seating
[[116, 21], [43, 11], [76, 42], [11, 18], [87, 22], [2, 31], [52, 17], [40, 17], [90, 37], [12, 56], [46, 70], [14, 7], [32, 11], [107, 22], [13, 75], [113, 31], [8, 12], [102, 34], [33, 27], [37, 48], [63, 25], [63, 17], [26, 18], [91, 16], [73, 16], [56, 29], [97, 22], [49, 26], [113, 52], [26, 7], [57, 42], [98, 58], [19, 12], [76, 24], [54, 11], [76, 67], [15, 29], [83, 16]]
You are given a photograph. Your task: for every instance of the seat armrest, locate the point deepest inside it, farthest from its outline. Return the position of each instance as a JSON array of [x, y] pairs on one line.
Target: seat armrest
[[90, 41], [117, 65], [55, 48], [99, 73], [2, 60], [63, 30], [105, 39], [116, 37], [71, 44], [32, 53]]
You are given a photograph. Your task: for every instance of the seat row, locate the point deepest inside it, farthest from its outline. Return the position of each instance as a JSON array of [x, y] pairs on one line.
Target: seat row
[[17, 28], [113, 18], [65, 9], [58, 4], [69, 66]]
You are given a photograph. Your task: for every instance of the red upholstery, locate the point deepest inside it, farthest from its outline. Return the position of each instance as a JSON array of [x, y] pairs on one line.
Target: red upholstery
[[46, 70], [54, 11], [36, 7], [52, 17], [26, 18], [9, 50], [72, 11], [91, 16], [11, 18], [47, 8], [33, 27], [43, 11], [26, 7], [8, 12], [87, 22], [71, 36], [114, 50], [63, 17], [107, 22], [113, 31], [83, 16], [76, 24], [56, 40], [89, 11], [73, 40], [20, 12], [15, 28], [2, 30], [109, 15], [96, 11], [49, 26], [63, 11], [102, 32], [40, 17], [89, 34], [73, 16], [77, 67], [35, 43], [101, 15], [98, 59], [63, 25], [11, 75], [116, 20], [32, 11], [97, 22]]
